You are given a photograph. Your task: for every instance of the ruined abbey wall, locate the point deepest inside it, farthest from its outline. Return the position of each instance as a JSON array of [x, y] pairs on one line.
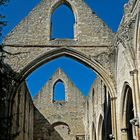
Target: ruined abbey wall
[[127, 66], [63, 120], [115, 57], [22, 114], [97, 116]]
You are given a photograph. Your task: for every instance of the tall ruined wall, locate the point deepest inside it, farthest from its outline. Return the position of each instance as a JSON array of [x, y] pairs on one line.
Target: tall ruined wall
[[97, 117], [36, 28], [94, 107], [127, 65], [31, 38], [22, 115], [62, 119], [29, 45]]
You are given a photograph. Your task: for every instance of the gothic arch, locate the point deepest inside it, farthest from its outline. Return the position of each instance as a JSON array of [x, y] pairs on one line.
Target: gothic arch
[[66, 24], [76, 55], [63, 94], [60, 123], [127, 112], [61, 80], [123, 97], [69, 4], [80, 57], [57, 3]]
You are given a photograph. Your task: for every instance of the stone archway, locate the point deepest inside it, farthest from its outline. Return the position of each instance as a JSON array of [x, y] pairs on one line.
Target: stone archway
[[128, 131], [78, 56], [60, 123]]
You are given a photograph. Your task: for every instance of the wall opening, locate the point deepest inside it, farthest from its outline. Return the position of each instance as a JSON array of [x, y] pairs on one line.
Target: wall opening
[[61, 124], [59, 91], [129, 115], [73, 69], [128, 131], [62, 23], [107, 114]]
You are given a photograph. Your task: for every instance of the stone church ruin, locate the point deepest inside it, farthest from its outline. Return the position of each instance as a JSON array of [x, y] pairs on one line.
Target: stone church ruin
[[112, 108]]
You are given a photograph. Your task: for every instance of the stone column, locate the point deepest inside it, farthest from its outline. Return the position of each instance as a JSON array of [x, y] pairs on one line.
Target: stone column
[[124, 134], [113, 114], [136, 99]]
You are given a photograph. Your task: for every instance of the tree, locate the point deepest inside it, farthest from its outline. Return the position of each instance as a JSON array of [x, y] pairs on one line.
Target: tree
[[2, 17], [4, 75], [3, 1]]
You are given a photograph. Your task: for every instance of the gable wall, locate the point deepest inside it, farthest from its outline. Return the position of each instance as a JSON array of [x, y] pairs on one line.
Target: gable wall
[[70, 111]]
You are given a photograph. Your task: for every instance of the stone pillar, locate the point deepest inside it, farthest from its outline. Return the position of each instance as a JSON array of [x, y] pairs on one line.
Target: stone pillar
[[124, 134], [113, 114], [136, 99]]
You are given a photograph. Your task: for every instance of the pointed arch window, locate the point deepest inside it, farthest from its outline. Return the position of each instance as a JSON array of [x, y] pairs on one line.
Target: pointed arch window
[[62, 22], [59, 91], [128, 113]]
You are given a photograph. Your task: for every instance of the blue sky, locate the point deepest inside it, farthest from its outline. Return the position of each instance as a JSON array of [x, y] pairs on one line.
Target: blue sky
[[62, 26], [110, 11], [79, 74]]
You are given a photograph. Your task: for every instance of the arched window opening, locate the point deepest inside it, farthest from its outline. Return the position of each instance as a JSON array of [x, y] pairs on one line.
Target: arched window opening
[[59, 91], [62, 23], [107, 114], [108, 122], [127, 115], [61, 124], [59, 131]]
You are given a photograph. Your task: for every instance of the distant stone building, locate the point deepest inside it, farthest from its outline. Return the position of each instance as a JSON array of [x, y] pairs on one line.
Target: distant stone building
[[112, 108], [64, 116]]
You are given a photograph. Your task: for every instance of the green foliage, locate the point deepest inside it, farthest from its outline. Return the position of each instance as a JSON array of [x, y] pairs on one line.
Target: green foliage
[[2, 23], [2, 2], [2, 17], [4, 86]]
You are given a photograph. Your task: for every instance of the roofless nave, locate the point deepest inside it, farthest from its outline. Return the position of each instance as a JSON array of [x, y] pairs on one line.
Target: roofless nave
[[112, 109]]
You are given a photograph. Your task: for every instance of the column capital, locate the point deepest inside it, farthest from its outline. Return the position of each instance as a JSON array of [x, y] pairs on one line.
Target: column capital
[[113, 98], [124, 130], [135, 71]]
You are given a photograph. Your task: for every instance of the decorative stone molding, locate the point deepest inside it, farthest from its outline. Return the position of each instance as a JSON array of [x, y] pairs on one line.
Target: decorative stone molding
[[124, 130]]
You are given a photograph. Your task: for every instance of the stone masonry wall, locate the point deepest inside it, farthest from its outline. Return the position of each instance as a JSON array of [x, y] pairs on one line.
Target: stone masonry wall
[[98, 112], [114, 57], [22, 115], [94, 107], [62, 119], [35, 29]]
